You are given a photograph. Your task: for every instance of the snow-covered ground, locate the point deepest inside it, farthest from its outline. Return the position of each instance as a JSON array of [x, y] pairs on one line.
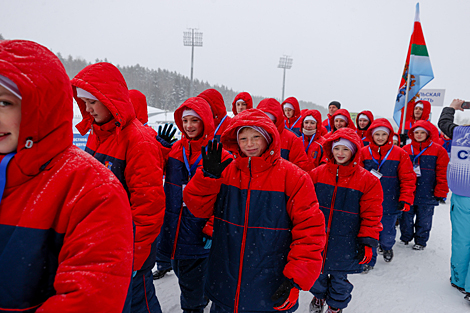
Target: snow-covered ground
[[415, 281]]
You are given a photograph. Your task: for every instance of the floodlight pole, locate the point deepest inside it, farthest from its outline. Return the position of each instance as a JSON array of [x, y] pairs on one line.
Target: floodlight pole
[[283, 84], [285, 62], [189, 40]]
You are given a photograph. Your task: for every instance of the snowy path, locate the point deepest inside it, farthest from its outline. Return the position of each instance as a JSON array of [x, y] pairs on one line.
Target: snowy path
[[415, 281]]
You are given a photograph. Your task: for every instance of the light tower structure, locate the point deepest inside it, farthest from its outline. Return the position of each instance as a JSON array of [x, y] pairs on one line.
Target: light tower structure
[[285, 62], [192, 38]]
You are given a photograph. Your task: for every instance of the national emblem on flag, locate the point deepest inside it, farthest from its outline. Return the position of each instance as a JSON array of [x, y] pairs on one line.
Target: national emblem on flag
[[108, 164]]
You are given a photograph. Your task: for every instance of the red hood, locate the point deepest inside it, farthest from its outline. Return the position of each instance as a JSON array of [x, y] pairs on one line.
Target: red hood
[[296, 106], [139, 101], [202, 108], [245, 96], [216, 102], [346, 133], [377, 123], [106, 83], [432, 130], [46, 106], [322, 131], [369, 115], [426, 110], [252, 117], [273, 106], [345, 113]]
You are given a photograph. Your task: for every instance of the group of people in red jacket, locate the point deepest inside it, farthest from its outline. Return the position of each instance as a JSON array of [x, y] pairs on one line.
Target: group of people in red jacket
[[249, 210]]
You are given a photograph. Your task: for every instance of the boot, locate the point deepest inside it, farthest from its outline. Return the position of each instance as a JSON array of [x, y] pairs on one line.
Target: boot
[[467, 296], [380, 250], [333, 310], [367, 268], [159, 274], [418, 247], [316, 305], [462, 290], [388, 255]]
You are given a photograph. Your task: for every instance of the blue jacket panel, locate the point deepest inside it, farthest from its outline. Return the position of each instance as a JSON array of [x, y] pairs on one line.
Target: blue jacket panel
[[426, 183]]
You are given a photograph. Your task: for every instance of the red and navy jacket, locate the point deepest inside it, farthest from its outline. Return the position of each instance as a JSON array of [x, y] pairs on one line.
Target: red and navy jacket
[[65, 221], [432, 159], [446, 143], [314, 146], [410, 118], [267, 223], [182, 233], [219, 112], [292, 123], [348, 116], [351, 201], [326, 123], [362, 132], [398, 180], [124, 146], [291, 146], [245, 96]]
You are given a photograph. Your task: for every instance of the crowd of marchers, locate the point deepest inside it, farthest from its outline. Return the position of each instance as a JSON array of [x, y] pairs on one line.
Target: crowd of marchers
[[247, 211]]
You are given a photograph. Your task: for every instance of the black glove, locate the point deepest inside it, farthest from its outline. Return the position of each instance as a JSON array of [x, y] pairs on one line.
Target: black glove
[[166, 133], [286, 296], [364, 254], [403, 206], [441, 200], [211, 161], [403, 139]]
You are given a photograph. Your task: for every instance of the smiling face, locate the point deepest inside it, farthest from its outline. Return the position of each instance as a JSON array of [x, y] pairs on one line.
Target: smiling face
[[310, 125], [98, 110], [420, 135], [240, 106], [192, 126], [288, 112], [10, 119], [251, 142], [340, 123], [362, 122], [380, 137], [342, 155], [418, 112]]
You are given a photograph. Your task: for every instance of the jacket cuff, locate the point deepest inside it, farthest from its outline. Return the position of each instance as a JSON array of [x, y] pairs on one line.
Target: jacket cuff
[[368, 241], [207, 174], [163, 142]]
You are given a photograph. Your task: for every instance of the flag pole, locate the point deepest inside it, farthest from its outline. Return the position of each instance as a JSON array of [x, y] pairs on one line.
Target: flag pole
[[406, 100]]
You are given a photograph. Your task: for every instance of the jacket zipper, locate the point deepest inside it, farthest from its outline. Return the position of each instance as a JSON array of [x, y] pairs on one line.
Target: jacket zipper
[[330, 217], [242, 250]]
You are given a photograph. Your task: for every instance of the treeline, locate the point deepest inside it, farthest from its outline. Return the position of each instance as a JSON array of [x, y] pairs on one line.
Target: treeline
[[164, 89]]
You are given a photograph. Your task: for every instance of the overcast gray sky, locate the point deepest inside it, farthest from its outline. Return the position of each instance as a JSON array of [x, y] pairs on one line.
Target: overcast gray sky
[[350, 51]]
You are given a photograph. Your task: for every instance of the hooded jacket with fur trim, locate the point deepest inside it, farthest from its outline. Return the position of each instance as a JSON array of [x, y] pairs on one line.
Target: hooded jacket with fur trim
[[246, 97], [219, 112], [65, 221], [293, 123], [124, 146], [398, 180], [291, 146], [258, 201], [351, 200], [433, 166]]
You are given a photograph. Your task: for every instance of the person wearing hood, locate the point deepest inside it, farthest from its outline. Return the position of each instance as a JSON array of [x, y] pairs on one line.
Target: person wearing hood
[[350, 198], [363, 121], [292, 115], [219, 112], [430, 164], [121, 143], [392, 166], [332, 108], [340, 119], [312, 136], [415, 111], [291, 146], [186, 238], [259, 199], [65, 222], [242, 102]]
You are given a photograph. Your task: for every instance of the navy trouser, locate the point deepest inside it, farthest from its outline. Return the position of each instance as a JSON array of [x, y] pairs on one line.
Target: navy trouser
[[191, 279], [387, 235], [215, 308], [334, 288], [144, 298], [163, 262], [419, 228]]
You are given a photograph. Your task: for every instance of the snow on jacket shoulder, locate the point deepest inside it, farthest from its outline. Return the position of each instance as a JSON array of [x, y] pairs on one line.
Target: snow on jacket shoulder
[[293, 123], [65, 221], [124, 146], [246, 97], [433, 165], [351, 200], [398, 180], [182, 232], [258, 200], [219, 112], [313, 146], [291, 146]]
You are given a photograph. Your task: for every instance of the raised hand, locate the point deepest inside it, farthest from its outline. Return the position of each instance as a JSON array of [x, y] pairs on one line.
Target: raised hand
[[212, 159], [166, 133]]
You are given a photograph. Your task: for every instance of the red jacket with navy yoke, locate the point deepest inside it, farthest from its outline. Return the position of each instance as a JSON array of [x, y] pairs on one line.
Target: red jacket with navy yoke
[[314, 146], [219, 112], [348, 116], [124, 146], [267, 223], [398, 180], [245, 96], [410, 118], [293, 123], [351, 200], [65, 221], [363, 132], [291, 146], [433, 165]]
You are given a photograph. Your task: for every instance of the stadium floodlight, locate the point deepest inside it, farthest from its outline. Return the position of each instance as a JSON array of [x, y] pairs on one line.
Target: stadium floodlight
[[285, 62], [193, 39]]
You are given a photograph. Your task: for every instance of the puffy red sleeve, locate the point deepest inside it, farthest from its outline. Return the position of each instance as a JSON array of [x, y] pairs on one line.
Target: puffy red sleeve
[[298, 156], [304, 260], [407, 178], [96, 254], [441, 188], [371, 210]]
